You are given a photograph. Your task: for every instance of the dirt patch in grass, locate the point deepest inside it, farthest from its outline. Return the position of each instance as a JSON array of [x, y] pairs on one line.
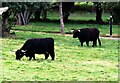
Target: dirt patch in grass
[[106, 36], [70, 34], [113, 35]]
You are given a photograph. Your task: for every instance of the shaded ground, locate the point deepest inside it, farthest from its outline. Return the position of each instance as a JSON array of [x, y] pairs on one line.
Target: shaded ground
[[71, 21]]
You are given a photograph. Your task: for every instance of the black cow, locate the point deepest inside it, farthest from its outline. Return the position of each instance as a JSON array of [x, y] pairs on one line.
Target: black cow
[[86, 35], [36, 46]]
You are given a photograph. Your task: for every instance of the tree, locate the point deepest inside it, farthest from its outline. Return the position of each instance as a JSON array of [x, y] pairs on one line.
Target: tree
[[22, 11], [61, 18], [41, 10], [99, 11], [66, 9], [6, 26], [1, 11], [114, 8], [5, 15]]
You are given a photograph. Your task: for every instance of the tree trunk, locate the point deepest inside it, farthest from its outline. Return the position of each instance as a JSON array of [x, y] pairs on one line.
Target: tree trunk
[[0, 27], [65, 18], [66, 9], [5, 21], [5, 17], [18, 18], [61, 19], [5, 29], [99, 11], [0, 31], [44, 14], [23, 18], [37, 15]]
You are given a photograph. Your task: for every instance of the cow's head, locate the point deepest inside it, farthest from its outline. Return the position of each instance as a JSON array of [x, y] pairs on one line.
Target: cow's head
[[19, 54], [75, 33]]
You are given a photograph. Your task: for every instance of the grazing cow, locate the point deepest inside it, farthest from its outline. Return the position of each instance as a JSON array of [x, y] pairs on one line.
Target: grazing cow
[[86, 35], [36, 46]]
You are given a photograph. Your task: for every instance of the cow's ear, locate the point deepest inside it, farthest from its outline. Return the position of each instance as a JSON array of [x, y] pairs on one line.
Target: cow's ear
[[78, 30]]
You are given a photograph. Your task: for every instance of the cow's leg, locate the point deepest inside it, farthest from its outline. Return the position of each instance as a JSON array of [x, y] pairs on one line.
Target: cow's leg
[[87, 42], [29, 55], [30, 58], [82, 44], [46, 56], [99, 41], [33, 57], [52, 54], [94, 43]]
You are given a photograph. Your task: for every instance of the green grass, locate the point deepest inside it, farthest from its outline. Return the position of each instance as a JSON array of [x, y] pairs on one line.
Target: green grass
[[78, 15], [55, 27], [72, 62]]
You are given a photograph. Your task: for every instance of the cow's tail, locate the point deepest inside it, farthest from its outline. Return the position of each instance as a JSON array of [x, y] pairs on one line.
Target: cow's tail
[[99, 41]]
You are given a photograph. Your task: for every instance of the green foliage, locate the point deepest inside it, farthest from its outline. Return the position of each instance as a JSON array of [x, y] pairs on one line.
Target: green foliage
[[22, 11], [22, 6], [84, 3], [83, 6], [114, 8]]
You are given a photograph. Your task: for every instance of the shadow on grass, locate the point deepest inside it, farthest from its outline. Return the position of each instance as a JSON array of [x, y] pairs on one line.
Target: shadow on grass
[[70, 21], [42, 60]]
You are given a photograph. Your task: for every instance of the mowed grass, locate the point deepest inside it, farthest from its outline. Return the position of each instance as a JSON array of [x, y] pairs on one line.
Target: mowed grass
[[51, 27], [72, 62], [79, 15]]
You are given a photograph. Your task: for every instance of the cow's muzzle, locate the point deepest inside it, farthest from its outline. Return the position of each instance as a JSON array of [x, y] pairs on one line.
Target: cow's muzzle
[[74, 37]]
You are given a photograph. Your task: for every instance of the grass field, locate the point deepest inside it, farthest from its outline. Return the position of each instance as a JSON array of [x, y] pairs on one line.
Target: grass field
[[75, 23], [72, 62], [79, 15]]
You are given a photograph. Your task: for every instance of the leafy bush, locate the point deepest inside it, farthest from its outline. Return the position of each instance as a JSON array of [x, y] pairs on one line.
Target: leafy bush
[[114, 10]]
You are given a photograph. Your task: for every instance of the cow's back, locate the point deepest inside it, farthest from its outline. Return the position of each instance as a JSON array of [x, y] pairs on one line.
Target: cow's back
[[39, 45], [89, 34]]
